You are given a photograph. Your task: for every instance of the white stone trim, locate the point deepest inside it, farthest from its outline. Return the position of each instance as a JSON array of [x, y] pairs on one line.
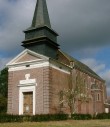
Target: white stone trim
[[107, 104], [106, 110], [21, 91], [38, 65], [58, 68], [23, 87], [13, 61], [27, 82], [18, 68], [30, 82], [26, 62]]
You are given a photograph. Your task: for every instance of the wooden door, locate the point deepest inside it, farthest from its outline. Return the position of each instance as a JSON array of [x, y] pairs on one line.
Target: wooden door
[[28, 103]]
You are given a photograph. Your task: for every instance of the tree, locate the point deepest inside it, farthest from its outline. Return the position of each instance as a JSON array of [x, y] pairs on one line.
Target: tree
[[3, 104], [4, 82], [3, 89], [77, 91]]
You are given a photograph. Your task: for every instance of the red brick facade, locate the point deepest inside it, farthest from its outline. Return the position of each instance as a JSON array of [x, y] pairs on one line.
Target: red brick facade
[[51, 80]]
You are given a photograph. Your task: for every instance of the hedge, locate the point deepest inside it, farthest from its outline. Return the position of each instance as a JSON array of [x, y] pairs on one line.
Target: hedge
[[102, 116], [81, 117], [10, 118], [50, 117], [37, 118]]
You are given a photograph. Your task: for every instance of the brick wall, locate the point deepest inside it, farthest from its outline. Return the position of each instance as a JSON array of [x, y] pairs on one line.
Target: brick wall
[[10, 92], [50, 82], [59, 82], [13, 89]]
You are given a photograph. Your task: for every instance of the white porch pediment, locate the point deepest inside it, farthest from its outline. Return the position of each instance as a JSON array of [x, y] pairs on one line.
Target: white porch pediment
[[27, 56]]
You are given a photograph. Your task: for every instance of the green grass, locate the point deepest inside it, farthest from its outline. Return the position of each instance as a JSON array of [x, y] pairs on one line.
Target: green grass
[[69, 123]]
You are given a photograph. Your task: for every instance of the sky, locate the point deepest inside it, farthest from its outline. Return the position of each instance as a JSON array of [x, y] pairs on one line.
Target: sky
[[83, 27]]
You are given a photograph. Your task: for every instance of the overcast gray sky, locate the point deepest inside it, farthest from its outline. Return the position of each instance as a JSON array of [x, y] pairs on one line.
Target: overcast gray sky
[[83, 27]]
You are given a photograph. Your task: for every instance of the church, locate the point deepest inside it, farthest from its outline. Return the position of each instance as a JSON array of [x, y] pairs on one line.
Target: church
[[37, 75]]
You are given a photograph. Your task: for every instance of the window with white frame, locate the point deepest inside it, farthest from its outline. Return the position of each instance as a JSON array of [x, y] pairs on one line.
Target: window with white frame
[[98, 97]]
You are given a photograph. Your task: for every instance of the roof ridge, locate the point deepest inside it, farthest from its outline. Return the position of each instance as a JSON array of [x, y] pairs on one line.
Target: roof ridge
[[81, 65]]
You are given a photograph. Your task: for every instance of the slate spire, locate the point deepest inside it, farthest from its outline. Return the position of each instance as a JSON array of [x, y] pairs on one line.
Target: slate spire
[[41, 16], [40, 37]]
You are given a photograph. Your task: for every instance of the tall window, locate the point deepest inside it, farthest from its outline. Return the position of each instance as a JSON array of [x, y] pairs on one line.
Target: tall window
[[98, 97]]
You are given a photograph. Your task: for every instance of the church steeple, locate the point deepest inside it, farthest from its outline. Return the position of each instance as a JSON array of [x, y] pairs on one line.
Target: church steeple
[[40, 37], [41, 16]]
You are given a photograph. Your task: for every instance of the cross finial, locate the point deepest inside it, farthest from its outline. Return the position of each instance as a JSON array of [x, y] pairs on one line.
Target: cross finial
[[27, 76]]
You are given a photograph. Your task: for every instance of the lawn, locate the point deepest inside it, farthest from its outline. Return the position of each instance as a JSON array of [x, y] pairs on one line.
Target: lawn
[[69, 123]]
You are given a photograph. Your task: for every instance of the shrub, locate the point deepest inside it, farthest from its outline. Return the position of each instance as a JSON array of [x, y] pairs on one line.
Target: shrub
[[102, 116], [10, 118], [37, 118], [81, 116], [26, 118], [49, 117], [3, 104]]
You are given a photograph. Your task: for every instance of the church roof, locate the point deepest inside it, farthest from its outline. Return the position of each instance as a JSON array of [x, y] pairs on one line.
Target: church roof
[[81, 66], [41, 16]]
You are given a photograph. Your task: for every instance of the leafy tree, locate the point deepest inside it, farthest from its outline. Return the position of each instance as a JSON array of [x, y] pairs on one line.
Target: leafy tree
[[4, 82], [3, 89], [77, 91], [3, 104]]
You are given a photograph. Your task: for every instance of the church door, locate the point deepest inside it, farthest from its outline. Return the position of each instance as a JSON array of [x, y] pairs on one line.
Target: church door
[[28, 103]]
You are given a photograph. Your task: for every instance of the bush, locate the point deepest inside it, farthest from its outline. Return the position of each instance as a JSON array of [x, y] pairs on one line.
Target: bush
[[37, 118], [10, 118], [81, 116], [102, 116], [3, 104], [49, 117], [26, 118]]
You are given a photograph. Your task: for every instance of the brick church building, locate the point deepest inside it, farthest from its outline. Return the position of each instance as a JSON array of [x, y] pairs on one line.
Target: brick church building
[[39, 73]]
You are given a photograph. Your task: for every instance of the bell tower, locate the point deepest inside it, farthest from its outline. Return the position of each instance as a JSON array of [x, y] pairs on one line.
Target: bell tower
[[40, 37]]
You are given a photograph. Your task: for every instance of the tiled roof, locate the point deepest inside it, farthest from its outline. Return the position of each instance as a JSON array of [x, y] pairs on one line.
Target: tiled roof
[[81, 66]]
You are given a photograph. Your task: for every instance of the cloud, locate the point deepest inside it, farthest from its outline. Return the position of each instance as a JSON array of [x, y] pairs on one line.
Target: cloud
[[81, 24], [106, 76], [100, 69], [95, 65], [3, 62], [15, 17]]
